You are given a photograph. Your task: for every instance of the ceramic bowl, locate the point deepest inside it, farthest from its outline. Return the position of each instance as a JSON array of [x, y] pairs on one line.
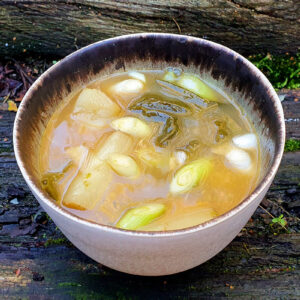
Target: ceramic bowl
[[152, 253]]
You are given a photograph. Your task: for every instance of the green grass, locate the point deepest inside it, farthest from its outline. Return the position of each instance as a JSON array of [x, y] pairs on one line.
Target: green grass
[[56, 242], [283, 71], [280, 220], [292, 145], [64, 284]]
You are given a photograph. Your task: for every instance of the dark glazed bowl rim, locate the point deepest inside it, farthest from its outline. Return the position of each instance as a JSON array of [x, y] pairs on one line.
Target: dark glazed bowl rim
[[258, 190]]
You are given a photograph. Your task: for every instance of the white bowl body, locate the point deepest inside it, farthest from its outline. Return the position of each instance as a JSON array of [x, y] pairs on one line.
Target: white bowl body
[[156, 254]]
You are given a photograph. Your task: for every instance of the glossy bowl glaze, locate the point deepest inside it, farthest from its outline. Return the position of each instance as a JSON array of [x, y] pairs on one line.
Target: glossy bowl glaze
[[152, 253]]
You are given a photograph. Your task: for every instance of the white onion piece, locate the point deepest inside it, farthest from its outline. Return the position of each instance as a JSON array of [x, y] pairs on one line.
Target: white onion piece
[[137, 75], [117, 142], [239, 159], [132, 126], [180, 157], [127, 88], [123, 165], [245, 141]]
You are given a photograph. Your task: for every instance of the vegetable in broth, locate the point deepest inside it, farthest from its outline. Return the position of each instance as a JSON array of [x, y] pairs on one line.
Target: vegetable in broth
[[149, 150]]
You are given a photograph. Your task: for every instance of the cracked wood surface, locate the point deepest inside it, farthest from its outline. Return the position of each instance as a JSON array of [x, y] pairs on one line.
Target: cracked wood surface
[[37, 262], [60, 27]]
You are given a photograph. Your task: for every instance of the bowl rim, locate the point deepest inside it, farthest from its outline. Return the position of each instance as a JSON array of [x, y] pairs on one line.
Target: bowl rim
[[266, 180]]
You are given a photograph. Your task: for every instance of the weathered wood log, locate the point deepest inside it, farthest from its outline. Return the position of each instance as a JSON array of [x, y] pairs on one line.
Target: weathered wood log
[[248, 268], [60, 27], [291, 107], [37, 262]]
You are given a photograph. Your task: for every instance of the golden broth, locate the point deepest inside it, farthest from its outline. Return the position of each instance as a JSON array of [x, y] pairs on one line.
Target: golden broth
[[76, 153]]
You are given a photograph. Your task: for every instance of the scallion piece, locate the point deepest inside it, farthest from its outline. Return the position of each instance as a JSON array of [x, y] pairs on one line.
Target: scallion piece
[[138, 217], [190, 176]]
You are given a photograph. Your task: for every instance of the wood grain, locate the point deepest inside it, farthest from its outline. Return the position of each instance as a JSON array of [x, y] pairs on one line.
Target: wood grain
[[291, 109], [60, 27]]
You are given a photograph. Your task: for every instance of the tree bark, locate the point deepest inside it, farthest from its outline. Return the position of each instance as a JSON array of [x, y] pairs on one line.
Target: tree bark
[[59, 27]]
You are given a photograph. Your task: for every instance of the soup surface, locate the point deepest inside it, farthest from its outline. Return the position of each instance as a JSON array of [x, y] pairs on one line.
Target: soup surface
[[149, 150]]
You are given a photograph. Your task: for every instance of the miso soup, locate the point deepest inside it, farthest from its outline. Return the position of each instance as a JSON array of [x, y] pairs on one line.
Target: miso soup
[[149, 150]]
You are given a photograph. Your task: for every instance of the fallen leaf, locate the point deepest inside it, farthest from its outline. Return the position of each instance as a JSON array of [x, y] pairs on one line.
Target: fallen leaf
[[12, 106], [18, 272], [20, 97]]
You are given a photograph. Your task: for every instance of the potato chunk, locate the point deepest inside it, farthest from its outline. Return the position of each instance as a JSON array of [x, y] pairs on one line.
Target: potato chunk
[[91, 121], [88, 186], [77, 154], [95, 102]]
